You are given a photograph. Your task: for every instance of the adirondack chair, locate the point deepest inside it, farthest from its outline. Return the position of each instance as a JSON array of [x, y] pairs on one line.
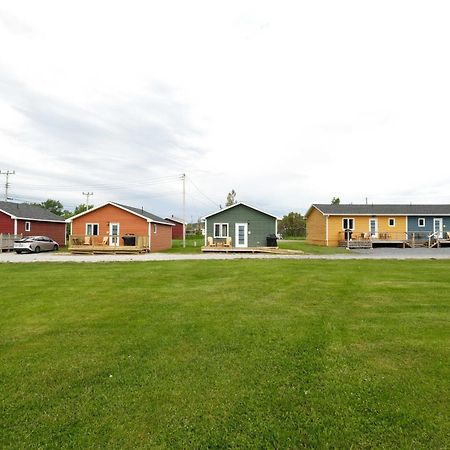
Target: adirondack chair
[[211, 242], [227, 242]]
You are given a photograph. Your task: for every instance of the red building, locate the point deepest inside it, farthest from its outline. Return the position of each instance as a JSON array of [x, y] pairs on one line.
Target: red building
[[177, 230], [31, 220]]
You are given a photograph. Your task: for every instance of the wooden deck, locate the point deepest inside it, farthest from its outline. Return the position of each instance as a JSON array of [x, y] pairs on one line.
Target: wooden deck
[[101, 245], [106, 249]]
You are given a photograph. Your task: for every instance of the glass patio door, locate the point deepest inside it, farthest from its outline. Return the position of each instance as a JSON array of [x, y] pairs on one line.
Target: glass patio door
[[438, 227], [114, 230], [241, 235], [373, 227]]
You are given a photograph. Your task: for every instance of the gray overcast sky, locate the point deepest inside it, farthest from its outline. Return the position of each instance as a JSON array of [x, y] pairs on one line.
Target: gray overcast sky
[[289, 103]]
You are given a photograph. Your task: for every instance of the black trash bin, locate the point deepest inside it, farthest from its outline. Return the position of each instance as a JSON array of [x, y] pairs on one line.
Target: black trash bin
[[129, 240], [271, 240]]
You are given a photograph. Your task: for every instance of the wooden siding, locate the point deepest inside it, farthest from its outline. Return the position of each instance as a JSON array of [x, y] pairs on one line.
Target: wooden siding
[[362, 225], [316, 228], [129, 223], [54, 230], [177, 229], [260, 225], [162, 239], [6, 224]]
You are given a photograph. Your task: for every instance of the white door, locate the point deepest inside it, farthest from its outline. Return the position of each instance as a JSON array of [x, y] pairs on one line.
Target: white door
[[114, 230], [373, 227], [438, 227], [241, 235]]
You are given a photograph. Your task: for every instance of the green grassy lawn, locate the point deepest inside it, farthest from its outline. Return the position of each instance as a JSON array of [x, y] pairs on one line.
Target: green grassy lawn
[[301, 244], [193, 245], [220, 354]]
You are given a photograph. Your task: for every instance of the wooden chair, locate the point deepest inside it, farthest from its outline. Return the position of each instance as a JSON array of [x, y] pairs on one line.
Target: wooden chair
[[227, 242], [211, 242], [104, 241], [87, 240]]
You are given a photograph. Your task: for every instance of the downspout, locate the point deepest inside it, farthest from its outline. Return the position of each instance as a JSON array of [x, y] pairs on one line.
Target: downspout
[[15, 225], [206, 231], [406, 226], [149, 236], [326, 230]]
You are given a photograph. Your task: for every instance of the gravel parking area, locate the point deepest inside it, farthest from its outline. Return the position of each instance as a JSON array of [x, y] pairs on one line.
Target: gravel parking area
[[379, 253]]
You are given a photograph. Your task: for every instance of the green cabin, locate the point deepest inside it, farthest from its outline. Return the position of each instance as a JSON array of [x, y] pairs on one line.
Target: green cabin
[[245, 225]]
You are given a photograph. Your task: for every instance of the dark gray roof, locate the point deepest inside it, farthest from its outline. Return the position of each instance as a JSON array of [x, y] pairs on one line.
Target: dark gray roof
[[380, 210], [143, 213], [26, 211], [174, 219]]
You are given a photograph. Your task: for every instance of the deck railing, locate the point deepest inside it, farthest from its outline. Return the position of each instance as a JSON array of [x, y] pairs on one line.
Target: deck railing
[[410, 238], [108, 243]]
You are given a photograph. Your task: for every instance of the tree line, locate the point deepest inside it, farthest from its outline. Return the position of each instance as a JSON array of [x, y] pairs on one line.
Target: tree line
[[56, 207]]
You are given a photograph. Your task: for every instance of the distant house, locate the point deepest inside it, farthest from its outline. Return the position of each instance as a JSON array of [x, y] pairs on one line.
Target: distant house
[[177, 229], [114, 226], [31, 220], [408, 225], [245, 225]]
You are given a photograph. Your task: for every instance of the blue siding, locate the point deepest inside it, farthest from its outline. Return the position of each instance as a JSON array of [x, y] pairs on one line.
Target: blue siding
[[414, 220]]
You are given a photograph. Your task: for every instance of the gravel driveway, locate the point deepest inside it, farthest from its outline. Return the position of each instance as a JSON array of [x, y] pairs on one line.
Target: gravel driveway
[[379, 253]]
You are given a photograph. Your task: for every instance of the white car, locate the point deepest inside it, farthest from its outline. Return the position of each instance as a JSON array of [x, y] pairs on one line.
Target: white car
[[35, 244]]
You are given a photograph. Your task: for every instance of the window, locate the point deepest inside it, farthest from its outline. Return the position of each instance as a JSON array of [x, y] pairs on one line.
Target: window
[[220, 230], [92, 229], [27, 226], [421, 222], [154, 228], [348, 223], [391, 222]]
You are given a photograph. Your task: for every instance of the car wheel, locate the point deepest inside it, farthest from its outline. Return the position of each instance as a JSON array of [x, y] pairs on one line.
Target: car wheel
[[37, 249], [55, 248], [18, 252]]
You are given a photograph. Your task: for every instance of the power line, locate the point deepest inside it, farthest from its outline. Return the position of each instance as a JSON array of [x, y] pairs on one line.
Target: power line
[[204, 195]]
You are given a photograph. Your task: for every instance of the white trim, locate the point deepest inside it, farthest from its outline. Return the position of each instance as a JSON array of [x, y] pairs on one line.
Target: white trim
[[149, 236], [314, 206], [221, 224], [348, 218], [15, 226], [391, 218], [27, 229], [424, 222], [113, 236], [70, 219], [206, 233], [375, 233], [244, 204], [440, 220], [236, 234], [31, 218], [174, 220], [154, 228], [91, 223]]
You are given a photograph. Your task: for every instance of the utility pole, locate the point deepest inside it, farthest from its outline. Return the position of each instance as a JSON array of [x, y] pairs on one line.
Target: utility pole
[[7, 173], [183, 177], [87, 194]]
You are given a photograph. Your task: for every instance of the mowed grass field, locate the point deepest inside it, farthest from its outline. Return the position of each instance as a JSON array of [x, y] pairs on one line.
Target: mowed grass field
[[225, 354]]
